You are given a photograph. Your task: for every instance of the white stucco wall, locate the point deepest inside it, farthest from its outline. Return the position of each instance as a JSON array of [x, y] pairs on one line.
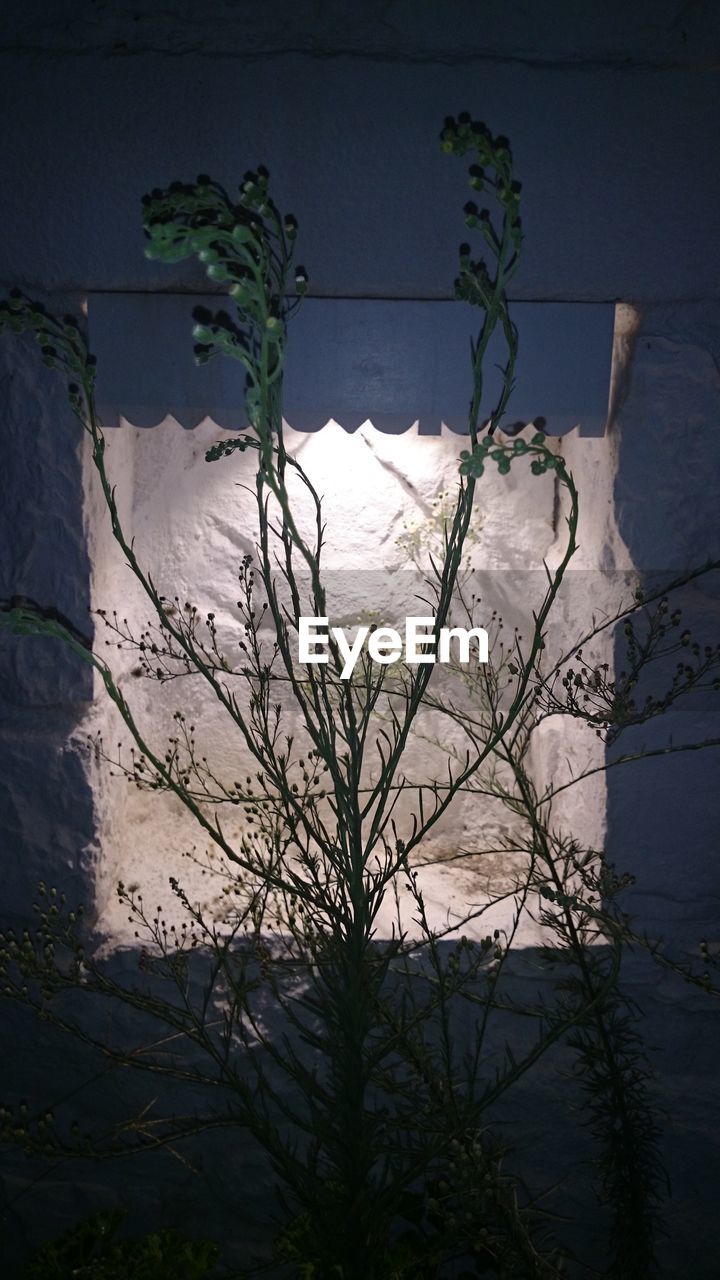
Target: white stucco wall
[[192, 523]]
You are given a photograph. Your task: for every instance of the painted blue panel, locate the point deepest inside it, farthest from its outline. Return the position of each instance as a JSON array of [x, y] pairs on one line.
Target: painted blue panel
[[391, 361]]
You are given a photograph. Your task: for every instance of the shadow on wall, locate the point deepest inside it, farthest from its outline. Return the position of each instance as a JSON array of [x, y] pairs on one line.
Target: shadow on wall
[[220, 1186], [664, 814], [46, 803]]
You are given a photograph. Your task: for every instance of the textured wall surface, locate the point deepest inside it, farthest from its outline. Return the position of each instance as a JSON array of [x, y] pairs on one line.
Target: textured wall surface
[[384, 503], [613, 114], [45, 801]]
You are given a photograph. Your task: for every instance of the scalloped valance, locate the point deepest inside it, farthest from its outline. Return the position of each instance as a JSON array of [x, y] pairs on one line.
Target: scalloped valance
[[393, 362]]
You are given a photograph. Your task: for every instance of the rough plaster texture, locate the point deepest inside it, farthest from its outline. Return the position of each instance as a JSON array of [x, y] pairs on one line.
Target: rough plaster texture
[[384, 499], [663, 821], [667, 507], [46, 810], [613, 116]]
